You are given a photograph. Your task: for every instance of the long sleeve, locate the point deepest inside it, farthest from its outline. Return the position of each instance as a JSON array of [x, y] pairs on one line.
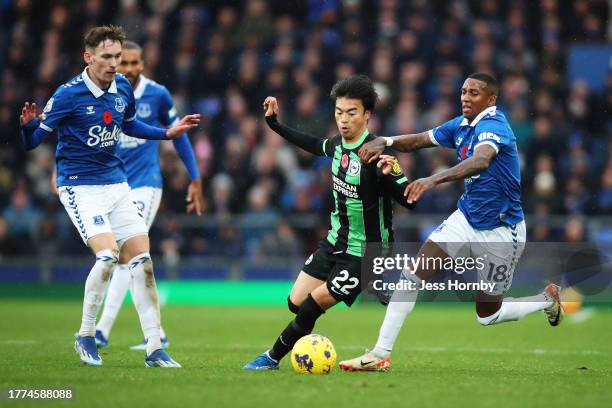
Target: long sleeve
[[311, 144], [185, 152], [141, 130], [31, 134], [396, 182]]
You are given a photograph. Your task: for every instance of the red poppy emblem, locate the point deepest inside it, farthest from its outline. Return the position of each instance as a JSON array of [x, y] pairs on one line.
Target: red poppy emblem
[[107, 117], [464, 152], [344, 161]]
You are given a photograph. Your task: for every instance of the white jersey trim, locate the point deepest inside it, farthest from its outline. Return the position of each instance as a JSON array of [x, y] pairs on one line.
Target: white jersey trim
[[487, 142], [143, 81], [93, 88], [432, 137], [45, 127], [130, 119]]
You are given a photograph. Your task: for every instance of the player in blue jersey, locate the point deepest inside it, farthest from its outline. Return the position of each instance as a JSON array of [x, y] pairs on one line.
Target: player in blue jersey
[[89, 113], [155, 107], [488, 223]]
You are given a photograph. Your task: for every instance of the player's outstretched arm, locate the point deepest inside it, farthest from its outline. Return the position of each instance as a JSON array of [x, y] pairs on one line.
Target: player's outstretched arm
[[394, 178], [479, 162], [186, 123], [311, 144], [31, 135], [372, 150], [141, 130]]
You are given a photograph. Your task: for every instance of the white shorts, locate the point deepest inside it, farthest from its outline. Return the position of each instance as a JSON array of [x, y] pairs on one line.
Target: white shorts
[[103, 209], [498, 249], [147, 200]]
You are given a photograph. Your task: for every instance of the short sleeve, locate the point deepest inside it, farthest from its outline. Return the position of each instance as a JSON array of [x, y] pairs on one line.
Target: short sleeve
[[56, 111], [444, 135], [167, 111], [493, 133]]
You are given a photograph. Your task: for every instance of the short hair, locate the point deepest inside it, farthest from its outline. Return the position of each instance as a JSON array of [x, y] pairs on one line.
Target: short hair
[[356, 87], [488, 79], [131, 45], [96, 35]]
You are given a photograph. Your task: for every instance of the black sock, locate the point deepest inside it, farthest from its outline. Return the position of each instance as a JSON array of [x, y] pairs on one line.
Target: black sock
[[302, 325]]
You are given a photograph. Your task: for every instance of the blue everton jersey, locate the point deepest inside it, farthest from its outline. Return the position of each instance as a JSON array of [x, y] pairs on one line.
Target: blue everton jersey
[[493, 197], [140, 157], [88, 122]]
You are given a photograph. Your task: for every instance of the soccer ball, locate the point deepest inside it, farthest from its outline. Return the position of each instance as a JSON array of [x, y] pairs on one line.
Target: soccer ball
[[313, 354], [571, 299]]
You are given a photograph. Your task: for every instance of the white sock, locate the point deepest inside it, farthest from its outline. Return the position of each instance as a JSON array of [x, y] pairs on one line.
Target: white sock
[[516, 308], [118, 287], [144, 292], [95, 287], [401, 304]]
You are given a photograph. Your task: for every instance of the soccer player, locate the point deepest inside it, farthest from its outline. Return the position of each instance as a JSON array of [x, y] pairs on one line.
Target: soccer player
[[488, 223], [89, 113], [154, 106], [362, 213]]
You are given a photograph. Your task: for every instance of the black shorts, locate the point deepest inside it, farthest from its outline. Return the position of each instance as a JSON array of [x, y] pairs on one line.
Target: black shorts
[[341, 271]]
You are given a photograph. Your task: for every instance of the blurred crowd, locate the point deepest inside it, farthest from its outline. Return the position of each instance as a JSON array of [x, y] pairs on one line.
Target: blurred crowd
[[222, 58]]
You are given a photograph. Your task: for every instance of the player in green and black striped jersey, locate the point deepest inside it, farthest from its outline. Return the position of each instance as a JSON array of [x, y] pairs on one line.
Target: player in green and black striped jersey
[[362, 213]]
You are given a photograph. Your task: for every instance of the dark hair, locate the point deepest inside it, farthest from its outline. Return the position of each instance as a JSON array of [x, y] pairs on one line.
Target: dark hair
[[96, 35], [356, 87], [488, 79], [131, 45]]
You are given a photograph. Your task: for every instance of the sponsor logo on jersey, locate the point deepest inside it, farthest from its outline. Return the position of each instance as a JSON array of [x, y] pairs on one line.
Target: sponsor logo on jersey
[[344, 161], [354, 167], [488, 136], [99, 135], [119, 105], [347, 189], [143, 110], [90, 110], [98, 220], [129, 142]]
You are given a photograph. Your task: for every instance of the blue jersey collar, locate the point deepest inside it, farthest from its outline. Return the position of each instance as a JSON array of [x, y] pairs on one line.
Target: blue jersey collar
[[490, 110], [93, 88], [140, 88]]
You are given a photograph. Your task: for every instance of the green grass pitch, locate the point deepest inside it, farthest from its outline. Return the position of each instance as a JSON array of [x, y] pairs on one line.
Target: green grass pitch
[[443, 358]]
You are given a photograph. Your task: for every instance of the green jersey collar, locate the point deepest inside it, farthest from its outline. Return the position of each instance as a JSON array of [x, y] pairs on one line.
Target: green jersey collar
[[357, 143]]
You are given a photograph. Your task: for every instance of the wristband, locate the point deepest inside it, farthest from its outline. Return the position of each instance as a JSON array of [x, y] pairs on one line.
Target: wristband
[[388, 140]]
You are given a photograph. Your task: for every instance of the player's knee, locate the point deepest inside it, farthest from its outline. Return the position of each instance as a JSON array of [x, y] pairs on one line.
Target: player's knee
[[308, 313], [292, 306], [108, 259]]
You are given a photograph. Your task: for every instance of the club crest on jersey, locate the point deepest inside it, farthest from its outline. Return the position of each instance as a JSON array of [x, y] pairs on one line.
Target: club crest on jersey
[[90, 110], [344, 161], [98, 220], [119, 105], [144, 110], [354, 167]]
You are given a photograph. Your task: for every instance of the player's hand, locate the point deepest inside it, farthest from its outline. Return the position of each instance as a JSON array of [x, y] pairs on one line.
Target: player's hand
[[28, 112], [415, 189], [270, 105], [194, 197], [187, 122], [385, 162], [371, 151]]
